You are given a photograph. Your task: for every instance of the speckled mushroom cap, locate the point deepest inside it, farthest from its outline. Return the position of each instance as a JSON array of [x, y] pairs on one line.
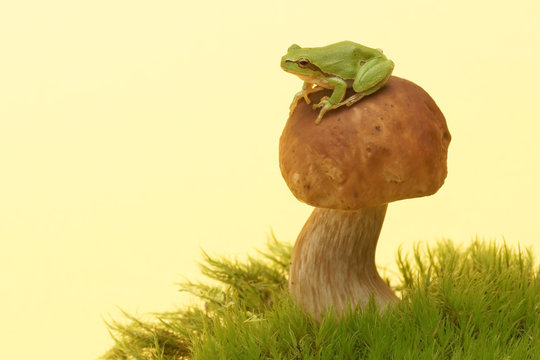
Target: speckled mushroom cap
[[389, 146]]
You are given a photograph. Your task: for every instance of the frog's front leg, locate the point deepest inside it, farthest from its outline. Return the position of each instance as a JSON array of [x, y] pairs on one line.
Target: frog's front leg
[[307, 89], [334, 101]]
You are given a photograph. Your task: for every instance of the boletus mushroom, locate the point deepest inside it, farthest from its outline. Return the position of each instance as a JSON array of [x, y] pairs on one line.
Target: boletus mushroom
[[389, 146]]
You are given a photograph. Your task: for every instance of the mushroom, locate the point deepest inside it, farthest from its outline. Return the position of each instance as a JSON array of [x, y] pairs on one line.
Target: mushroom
[[389, 146]]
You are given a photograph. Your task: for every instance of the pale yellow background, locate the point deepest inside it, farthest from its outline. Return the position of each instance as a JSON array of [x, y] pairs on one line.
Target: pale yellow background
[[134, 133]]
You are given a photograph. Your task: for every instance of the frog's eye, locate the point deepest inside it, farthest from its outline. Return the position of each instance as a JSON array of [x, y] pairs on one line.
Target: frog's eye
[[303, 63]]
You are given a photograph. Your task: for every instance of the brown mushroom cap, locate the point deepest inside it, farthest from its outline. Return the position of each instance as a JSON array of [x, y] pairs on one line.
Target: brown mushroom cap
[[389, 146]]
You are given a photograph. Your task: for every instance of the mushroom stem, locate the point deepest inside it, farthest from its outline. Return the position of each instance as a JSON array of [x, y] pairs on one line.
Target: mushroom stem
[[333, 261]]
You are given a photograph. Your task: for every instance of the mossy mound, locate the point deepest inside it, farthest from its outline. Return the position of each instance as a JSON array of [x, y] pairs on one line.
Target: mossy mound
[[475, 302]]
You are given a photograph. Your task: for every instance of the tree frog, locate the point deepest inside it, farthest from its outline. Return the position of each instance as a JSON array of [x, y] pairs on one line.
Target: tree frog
[[337, 66]]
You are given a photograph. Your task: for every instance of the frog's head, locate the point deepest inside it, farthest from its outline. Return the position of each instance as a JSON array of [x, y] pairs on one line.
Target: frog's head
[[299, 61]]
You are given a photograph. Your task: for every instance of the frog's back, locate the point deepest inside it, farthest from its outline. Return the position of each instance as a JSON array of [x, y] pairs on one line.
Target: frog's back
[[344, 57], [352, 49]]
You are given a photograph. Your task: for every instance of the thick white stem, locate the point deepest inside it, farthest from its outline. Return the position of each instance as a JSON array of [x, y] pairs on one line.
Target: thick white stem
[[333, 261]]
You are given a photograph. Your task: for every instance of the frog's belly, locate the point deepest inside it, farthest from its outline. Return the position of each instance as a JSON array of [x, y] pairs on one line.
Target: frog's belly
[[322, 82]]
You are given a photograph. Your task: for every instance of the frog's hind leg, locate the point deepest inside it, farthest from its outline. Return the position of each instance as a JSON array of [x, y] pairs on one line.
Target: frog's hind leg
[[351, 99], [373, 75]]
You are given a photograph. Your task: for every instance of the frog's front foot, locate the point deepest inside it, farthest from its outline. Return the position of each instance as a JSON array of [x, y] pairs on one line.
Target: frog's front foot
[[325, 104], [293, 104], [305, 95], [297, 97]]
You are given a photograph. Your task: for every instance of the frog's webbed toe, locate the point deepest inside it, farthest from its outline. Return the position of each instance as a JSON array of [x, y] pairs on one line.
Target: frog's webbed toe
[[321, 114], [295, 101], [324, 103], [305, 95], [351, 99]]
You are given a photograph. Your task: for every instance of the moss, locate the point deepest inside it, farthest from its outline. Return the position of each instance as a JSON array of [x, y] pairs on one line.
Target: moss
[[476, 302]]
